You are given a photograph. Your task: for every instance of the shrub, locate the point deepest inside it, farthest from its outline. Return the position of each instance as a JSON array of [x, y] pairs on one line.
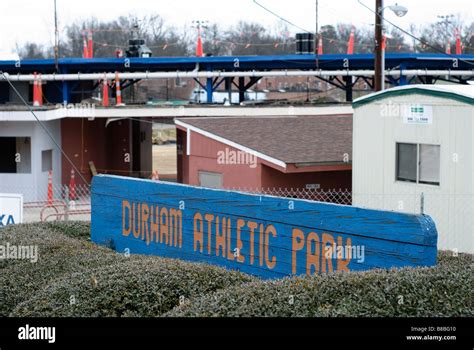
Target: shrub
[[444, 290], [74, 229], [58, 254], [141, 286]]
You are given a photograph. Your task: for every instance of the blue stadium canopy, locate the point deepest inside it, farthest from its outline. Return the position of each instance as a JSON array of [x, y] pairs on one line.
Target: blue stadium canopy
[[241, 63]]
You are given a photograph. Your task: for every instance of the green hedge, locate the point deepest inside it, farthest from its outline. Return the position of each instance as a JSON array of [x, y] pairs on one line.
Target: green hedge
[[444, 290], [99, 280], [74, 277], [58, 255], [74, 229], [142, 286]]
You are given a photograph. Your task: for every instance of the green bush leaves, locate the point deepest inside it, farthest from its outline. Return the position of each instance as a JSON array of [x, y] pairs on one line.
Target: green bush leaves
[[74, 277]]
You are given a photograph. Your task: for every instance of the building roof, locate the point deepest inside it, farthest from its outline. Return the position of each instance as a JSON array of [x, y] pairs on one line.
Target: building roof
[[461, 93], [17, 113], [315, 140]]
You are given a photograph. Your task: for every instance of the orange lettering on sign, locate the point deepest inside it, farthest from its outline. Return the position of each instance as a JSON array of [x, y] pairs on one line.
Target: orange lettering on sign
[[145, 215], [297, 244], [252, 226], [154, 221], [136, 219], [240, 257], [270, 262], [164, 225], [260, 244], [198, 232], [342, 264], [176, 227], [312, 259], [220, 238], [230, 254], [126, 231], [327, 258], [209, 218]]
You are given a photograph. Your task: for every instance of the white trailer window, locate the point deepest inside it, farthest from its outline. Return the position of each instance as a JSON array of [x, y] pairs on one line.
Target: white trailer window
[[429, 164], [418, 163], [406, 162], [210, 180]]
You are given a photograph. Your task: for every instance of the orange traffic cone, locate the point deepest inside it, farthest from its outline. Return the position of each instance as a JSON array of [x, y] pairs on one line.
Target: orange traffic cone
[[85, 49], [350, 44], [320, 45], [105, 92], [50, 188], [199, 50], [72, 186], [40, 90], [458, 43], [37, 91], [118, 91], [448, 48], [90, 44]]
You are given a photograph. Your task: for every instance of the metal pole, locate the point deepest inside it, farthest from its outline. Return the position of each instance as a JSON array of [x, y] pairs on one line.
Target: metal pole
[[316, 38], [378, 45], [382, 47], [56, 37], [422, 203]]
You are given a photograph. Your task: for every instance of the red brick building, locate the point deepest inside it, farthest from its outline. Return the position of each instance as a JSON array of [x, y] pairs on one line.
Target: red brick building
[[266, 152]]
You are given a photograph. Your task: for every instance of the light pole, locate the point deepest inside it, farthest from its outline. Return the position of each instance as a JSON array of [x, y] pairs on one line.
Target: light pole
[[56, 37], [316, 33], [400, 11]]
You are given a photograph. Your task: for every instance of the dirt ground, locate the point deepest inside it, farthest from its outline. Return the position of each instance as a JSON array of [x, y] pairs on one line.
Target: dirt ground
[[164, 160]]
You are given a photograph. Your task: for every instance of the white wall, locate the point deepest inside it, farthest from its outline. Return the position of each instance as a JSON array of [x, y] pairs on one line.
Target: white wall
[[451, 204], [33, 186]]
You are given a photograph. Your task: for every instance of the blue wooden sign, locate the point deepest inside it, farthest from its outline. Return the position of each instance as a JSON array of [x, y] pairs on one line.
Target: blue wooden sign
[[266, 236]]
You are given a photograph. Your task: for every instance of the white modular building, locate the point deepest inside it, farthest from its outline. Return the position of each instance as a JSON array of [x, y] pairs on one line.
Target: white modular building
[[413, 151]]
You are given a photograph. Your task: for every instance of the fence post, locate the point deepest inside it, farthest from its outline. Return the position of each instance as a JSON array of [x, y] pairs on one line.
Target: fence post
[[422, 203]]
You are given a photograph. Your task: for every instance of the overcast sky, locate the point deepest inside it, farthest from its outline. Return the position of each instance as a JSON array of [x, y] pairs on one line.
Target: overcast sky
[[32, 20]]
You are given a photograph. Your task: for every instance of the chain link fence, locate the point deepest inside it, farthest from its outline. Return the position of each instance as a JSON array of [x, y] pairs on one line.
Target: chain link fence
[[336, 196], [57, 202]]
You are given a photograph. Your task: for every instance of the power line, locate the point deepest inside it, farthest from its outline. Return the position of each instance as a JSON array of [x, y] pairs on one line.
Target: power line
[[413, 36], [280, 17], [44, 128]]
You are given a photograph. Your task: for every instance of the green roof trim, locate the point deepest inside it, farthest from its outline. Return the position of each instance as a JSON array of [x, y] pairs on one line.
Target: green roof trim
[[415, 90]]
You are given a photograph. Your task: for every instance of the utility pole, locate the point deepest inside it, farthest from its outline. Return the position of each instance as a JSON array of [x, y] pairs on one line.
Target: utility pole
[[56, 38], [378, 83], [316, 33]]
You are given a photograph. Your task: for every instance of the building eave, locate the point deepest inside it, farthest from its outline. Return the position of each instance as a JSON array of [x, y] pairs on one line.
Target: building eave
[[230, 143], [410, 90]]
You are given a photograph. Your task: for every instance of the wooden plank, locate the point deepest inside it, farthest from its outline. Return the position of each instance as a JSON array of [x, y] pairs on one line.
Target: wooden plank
[[266, 236], [93, 168]]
